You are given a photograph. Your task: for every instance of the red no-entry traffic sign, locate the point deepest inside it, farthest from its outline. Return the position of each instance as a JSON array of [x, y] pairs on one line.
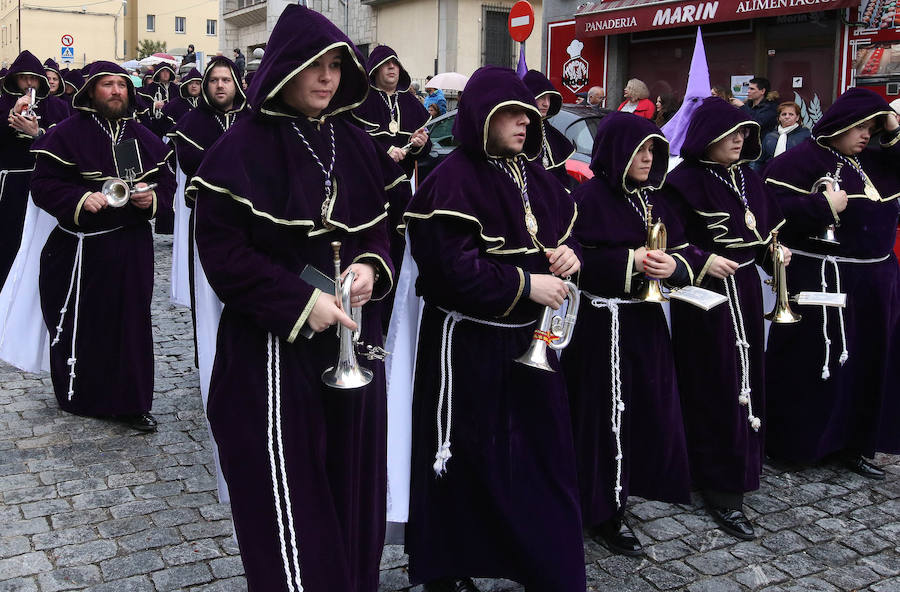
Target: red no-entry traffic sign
[[67, 40], [521, 21]]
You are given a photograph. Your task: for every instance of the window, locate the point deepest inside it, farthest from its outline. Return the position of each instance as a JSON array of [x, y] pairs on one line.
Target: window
[[211, 26], [496, 44], [151, 22], [179, 24]]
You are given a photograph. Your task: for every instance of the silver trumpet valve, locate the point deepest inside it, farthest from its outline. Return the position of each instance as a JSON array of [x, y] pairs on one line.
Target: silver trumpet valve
[[554, 331], [347, 373], [118, 192], [828, 235]]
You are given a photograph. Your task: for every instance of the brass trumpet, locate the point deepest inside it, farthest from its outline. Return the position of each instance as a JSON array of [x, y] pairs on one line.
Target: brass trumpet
[[118, 192], [828, 234], [156, 112], [553, 331], [782, 312], [347, 373], [651, 291], [29, 110]]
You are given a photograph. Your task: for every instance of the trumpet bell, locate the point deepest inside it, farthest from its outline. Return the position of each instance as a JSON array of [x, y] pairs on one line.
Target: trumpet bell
[[827, 236], [116, 192], [783, 314], [347, 375], [652, 292]]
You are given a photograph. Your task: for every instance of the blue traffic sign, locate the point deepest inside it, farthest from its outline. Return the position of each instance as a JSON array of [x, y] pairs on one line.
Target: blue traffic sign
[[67, 53]]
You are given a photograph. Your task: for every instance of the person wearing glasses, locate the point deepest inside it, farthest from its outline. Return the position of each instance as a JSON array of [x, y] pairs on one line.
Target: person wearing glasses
[[729, 217]]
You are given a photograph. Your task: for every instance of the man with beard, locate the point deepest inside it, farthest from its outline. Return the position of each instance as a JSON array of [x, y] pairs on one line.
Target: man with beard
[[221, 104], [96, 274], [16, 162]]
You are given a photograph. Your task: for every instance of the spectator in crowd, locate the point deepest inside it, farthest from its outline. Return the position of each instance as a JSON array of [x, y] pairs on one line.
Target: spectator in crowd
[[240, 62], [190, 57], [637, 99], [789, 133], [666, 106], [596, 97], [758, 106], [435, 95]]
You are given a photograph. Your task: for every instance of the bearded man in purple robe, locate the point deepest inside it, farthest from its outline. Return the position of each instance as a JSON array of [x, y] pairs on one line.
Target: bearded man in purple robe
[[490, 231], [96, 276], [833, 379]]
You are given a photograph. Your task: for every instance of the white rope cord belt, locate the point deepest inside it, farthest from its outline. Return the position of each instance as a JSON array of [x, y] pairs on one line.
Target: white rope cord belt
[[4, 173], [834, 260], [443, 437], [280, 490], [742, 345], [74, 285], [615, 369]]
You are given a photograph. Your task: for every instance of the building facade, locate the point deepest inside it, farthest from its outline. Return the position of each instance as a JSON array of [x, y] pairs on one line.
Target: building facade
[[810, 50], [247, 24], [105, 30], [452, 35]]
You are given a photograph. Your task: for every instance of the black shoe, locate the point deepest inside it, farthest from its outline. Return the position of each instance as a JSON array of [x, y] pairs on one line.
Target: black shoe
[[732, 521], [143, 422], [618, 537], [452, 585], [859, 465]]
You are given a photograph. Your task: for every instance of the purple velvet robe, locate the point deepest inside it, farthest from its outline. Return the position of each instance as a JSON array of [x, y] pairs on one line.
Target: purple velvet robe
[[16, 161], [113, 310], [609, 229], [184, 102], [159, 125], [507, 505], [305, 464], [556, 148], [725, 452], [854, 406], [374, 115]]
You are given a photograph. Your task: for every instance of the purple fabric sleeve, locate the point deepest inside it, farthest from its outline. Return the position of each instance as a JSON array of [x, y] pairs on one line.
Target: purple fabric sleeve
[[245, 279]]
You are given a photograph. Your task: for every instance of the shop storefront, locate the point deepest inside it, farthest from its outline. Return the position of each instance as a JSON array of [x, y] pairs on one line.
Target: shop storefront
[[811, 50]]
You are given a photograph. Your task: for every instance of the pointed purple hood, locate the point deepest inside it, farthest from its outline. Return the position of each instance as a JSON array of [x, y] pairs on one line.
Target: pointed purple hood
[[491, 88], [849, 110], [157, 70], [380, 55], [697, 89], [540, 86], [713, 120], [26, 63], [300, 36], [619, 135]]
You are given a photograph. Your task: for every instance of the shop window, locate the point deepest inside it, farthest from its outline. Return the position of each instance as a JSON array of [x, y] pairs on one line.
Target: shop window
[[151, 22], [211, 26], [179, 24], [496, 44]]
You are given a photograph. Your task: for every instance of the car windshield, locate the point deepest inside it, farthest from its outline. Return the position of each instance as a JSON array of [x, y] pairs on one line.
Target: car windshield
[[581, 133], [441, 132]]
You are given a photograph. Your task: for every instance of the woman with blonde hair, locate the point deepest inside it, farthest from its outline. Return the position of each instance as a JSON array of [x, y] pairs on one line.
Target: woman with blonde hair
[[637, 99]]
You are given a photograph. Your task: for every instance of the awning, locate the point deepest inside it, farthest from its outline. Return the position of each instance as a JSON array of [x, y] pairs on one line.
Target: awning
[[594, 19]]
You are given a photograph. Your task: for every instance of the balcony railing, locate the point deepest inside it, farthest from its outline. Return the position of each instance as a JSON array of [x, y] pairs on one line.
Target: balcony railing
[[246, 12]]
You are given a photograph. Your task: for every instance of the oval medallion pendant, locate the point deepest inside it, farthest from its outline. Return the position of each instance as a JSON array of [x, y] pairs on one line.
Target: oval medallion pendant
[[749, 219], [394, 127], [531, 223], [872, 192]]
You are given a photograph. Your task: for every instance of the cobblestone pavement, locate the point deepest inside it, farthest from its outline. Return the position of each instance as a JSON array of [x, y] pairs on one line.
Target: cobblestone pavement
[[90, 505]]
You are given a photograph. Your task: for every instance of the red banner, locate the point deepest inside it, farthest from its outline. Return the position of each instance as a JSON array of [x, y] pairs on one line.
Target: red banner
[[627, 16], [574, 66]]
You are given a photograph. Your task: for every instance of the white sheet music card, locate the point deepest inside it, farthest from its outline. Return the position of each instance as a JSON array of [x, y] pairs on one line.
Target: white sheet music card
[[838, 299], [699, 297]]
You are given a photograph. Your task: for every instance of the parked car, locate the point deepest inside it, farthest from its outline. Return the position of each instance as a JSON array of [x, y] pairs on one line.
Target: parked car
[[577, 122]]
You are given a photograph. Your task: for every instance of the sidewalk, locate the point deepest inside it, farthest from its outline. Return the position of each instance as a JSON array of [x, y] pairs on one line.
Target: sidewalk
[[90, 505]]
